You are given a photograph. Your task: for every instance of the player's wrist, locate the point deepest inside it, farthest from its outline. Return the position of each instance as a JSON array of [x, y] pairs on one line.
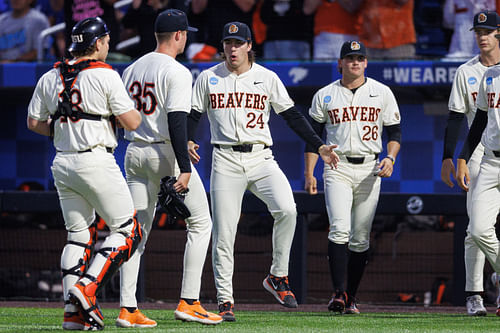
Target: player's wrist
[[392, 158]]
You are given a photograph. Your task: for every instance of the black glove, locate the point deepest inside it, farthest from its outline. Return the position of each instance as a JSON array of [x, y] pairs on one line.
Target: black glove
[[172, 201]]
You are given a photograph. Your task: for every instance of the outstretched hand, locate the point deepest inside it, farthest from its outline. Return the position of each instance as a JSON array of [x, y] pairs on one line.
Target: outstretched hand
[[192, 150], [328, 155]]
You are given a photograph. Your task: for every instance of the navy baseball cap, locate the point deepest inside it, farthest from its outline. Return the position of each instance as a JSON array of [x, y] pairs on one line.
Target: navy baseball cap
[[352, 47], [172, 20], [486, 20], [237, 30]]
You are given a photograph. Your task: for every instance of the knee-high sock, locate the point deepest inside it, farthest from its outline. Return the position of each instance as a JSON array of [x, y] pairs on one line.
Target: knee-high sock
[[337, 258], [355, 268]]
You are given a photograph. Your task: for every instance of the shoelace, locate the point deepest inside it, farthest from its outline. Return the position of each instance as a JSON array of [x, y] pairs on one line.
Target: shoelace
[[226, 307], [282, 283]]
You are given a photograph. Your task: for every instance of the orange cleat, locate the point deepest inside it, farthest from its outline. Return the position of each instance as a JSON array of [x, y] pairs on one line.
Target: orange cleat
[[195, 312], [136, 319]]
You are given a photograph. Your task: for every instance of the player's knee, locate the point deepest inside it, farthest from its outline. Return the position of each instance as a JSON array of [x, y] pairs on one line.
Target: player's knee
[[286, 213], [477, 232], [338, 237], [359, 247]]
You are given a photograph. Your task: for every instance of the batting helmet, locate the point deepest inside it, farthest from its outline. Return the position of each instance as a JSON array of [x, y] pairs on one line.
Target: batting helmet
[[86, 32]]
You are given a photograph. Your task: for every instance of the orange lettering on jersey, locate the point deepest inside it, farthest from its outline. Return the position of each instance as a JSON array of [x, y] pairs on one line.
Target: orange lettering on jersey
[[474, 96], [213, 101], [220, 100], [238, 99], [263, 100], [498, 102], [377, 113], [491, 97], [336, 116], [354, 112], [230, 101], [363, 114], [371, 114], [248, 101], [256, 101], [345, 115]]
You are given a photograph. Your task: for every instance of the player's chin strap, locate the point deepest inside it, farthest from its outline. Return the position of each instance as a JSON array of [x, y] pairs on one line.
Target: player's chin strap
[[115, 256], [69, 73], [83, 263]]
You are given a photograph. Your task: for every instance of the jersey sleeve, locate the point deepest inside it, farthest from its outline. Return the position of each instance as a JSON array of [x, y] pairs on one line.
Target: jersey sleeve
[[391, 110], [179, 91], [199, 100], [118, 98], [482, 96], [278, 95], [37, 109], [458, 95], [316, 111]]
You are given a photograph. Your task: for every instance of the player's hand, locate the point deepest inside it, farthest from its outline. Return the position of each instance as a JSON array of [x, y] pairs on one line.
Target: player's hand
[[386, 168], [329, 156], [448, 167], [311, 185], [181, 185], [462, 175], [193, 155]]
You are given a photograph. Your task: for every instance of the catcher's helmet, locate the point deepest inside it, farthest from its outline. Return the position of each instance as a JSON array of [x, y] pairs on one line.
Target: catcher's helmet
[[86, 32]]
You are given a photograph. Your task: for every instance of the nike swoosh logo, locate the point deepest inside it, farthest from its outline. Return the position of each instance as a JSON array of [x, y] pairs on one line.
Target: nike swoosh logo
[[201, 314], [373, 95], [257, 82], [272, 283]]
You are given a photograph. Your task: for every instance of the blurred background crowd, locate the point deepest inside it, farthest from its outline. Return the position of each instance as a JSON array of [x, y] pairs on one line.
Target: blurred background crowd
[[282, 29]]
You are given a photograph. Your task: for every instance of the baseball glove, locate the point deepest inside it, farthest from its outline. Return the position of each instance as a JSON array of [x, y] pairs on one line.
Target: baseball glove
[[172, 201]]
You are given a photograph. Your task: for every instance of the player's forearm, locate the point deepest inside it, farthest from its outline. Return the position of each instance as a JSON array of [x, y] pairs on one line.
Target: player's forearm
[[474, 136], [298, 123], [177, 123], [451, 133], [310, 160], [37, 126], [192, 124], [393, 148], [130, 120]]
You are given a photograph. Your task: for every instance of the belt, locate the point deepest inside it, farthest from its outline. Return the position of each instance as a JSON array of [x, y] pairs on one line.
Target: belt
[[496, 153], [361, 160], [246, 148], [108, 149]]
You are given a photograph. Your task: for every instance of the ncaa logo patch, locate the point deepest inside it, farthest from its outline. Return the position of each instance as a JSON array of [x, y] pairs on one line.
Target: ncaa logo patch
[[489, 80], [482, 18], [233, 29], [327, 99], [214, 80], [355, 46], [472, 80]]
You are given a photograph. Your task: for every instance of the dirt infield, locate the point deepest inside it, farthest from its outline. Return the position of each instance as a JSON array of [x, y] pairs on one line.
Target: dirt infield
[[366, 308]]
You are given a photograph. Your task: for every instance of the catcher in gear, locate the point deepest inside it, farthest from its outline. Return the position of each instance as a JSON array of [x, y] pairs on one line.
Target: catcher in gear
[[171, 200]]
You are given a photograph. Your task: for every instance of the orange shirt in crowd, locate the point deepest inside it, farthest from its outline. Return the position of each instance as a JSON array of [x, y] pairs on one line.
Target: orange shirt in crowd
[[385, 24], [331, 17]]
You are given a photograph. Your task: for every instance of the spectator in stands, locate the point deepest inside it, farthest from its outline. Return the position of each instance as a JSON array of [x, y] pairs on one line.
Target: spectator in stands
[[334, 24], [19, 31], [387, 29], [457, 15], [76, 10], [216, 13], [289, 30]]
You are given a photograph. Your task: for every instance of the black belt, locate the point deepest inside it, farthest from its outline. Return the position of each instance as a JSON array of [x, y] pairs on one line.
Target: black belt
[[158, 142], [496, 153], [108, 149], [246, 148], [359, 160]]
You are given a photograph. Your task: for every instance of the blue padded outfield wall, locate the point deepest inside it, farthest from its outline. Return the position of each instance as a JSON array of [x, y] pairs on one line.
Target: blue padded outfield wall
[[26, 156]]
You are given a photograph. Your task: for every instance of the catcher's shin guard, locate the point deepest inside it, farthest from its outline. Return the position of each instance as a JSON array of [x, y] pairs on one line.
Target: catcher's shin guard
[[111, 256]]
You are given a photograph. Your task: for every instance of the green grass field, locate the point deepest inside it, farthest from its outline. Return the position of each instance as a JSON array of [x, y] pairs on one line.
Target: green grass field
[[50, 319]]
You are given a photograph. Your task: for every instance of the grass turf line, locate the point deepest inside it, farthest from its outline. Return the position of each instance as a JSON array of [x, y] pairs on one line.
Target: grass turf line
[[50, 319]]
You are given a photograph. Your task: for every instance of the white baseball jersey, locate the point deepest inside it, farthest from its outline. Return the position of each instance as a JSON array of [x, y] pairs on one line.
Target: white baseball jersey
[[239, 105], [97, 91], [156, 93], [354, 121], [465, 88], [488, 100]]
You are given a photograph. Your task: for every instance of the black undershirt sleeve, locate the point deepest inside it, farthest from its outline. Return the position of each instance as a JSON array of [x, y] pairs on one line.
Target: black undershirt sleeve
[[393, 132], [451, 133], [177, 127], [192, 124], [318, 129], [475, 133], [298, 123]]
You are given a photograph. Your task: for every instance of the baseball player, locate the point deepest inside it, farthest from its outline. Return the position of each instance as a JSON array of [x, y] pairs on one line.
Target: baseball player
[[485, 199], [462, 104], [237, 95], [76, 102], [161, 88], [353, 110]]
